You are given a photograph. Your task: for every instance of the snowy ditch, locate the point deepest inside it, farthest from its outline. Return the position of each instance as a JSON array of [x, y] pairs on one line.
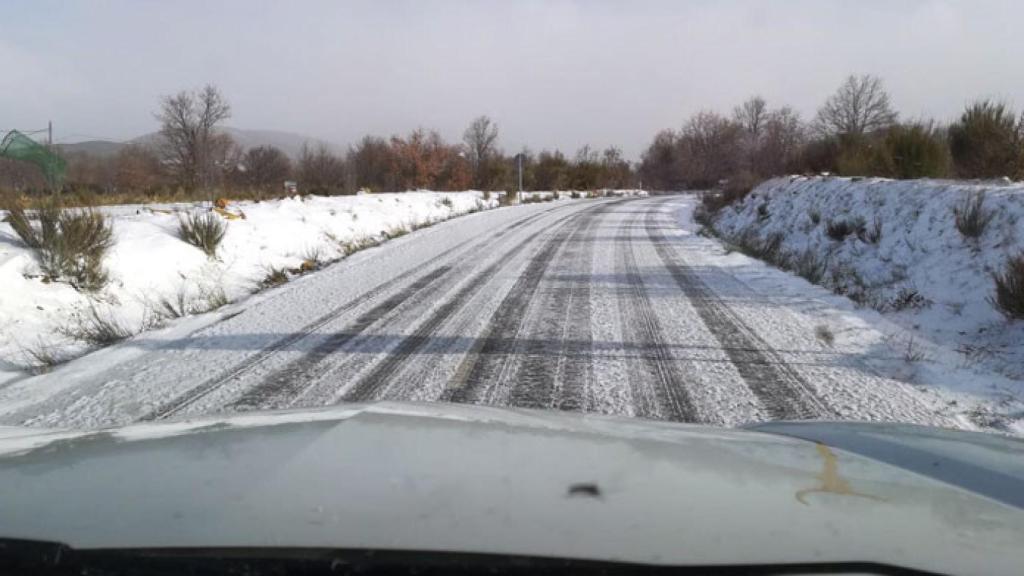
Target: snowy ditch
[[894, 249], [156, 277]]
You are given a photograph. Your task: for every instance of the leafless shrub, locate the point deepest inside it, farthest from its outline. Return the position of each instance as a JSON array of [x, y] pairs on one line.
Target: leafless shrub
[[42, 356], [312, 258], [874, 234], [977, 353], [96, 328], [912, 350], [185, 303], [536, 199], [841, 228], [1009, 296], [815, 217], [703, 216], [19, 220], [204, 231], [353, 246], [74, 249], [396, 232], [907, 298], [970, 216], [809, 266], [69, 244], [214, 297], [177, 306], [768, 249], [274, 277]]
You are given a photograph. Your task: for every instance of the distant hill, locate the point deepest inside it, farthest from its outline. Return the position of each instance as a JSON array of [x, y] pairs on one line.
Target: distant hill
[[91, 147], [289, 142]]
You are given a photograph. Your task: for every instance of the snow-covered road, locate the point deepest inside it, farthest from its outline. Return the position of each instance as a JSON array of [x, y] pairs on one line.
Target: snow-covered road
[[608, 306]]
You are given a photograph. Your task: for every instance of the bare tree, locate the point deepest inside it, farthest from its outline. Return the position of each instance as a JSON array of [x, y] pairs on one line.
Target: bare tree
[[860, 106], [265, 167], [551, 171], [782, 139], [709, 147], [660, 164], [320, 171], [191, 145], [585, 170], [481, 139], [617, 172], [137, 169], [370, 163], [752, 116]]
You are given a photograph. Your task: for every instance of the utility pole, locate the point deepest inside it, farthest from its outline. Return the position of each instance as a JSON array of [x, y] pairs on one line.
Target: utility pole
[[49, 134], [519, 158]]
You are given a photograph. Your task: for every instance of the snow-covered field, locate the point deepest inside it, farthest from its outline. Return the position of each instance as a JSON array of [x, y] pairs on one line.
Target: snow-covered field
[[932, 288], [150, 265]]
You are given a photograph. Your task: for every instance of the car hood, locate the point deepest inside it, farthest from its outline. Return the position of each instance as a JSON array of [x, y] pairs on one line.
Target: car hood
[[452, 478]]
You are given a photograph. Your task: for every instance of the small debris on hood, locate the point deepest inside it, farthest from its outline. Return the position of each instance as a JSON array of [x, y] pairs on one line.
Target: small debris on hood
[[585, 489]]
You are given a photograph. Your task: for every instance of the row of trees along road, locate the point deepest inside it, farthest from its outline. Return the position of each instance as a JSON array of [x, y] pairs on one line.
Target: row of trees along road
[[194, 156], [855, 132]]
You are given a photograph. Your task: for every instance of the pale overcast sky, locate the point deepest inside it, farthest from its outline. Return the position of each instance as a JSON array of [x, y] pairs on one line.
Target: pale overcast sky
[[551, 73]]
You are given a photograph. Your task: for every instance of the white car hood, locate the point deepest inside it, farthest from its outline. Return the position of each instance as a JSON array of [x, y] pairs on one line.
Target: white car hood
[[471, 479]]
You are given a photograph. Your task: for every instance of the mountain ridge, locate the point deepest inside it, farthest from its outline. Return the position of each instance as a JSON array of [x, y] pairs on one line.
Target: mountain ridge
[[289, 142]]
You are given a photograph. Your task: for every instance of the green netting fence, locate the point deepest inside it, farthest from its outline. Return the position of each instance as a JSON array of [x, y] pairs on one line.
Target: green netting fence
[[17, 146]]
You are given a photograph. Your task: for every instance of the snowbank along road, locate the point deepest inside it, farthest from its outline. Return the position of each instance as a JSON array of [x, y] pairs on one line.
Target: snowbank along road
[[606, 306]]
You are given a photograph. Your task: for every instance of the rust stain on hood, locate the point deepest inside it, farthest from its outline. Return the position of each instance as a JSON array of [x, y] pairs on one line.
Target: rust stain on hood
[[831, 481]]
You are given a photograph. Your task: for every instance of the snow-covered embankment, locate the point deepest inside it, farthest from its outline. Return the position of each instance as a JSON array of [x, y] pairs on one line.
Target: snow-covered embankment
[[152, 271], [903, 256]]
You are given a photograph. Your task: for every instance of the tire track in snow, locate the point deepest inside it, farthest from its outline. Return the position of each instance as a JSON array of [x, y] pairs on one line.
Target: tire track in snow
[[554, 370], [576, 363], [664, 392], [481, 375], [782, 391], [288, 384], [239, 371], [377, 384]]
